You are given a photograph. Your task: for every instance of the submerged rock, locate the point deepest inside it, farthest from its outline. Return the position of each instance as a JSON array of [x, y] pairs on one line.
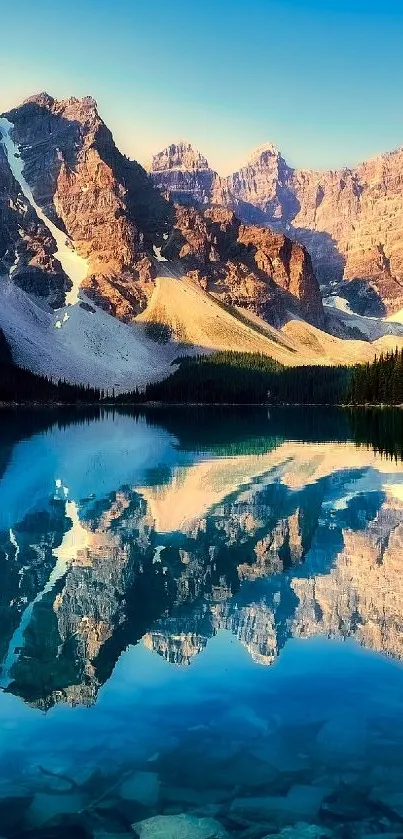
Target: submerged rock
[[279, 756], [66, 830], [301, 802], [389, 801], [46, 806], [12, 809], [179, 827], [302, 830], [393, 835], [142, 787], [196, 797]]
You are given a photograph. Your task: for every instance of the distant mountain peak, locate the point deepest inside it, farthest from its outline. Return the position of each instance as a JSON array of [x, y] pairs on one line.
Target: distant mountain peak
[[265, 150], [43, 99], [181, 155], [84, 101]]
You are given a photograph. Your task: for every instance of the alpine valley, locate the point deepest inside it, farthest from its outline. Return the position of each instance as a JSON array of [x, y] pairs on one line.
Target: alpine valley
[[109, 272]]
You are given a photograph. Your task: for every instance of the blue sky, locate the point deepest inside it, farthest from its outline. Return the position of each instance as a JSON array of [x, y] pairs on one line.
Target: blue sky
[[323, 80]]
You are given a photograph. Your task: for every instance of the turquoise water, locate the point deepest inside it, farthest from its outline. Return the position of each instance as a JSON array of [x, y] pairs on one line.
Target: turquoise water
[[201, 624]]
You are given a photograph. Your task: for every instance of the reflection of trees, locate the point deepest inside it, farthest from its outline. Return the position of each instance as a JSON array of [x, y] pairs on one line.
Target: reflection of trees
[[380, 429]]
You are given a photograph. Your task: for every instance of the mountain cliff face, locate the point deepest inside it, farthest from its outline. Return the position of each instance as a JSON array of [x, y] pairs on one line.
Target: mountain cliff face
[[27, 250], [262, 186], [113, 216], [182, 172], [245, 266], [350, 221], [105, 203]]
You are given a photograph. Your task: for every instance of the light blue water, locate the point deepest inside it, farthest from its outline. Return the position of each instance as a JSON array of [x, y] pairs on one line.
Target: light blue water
[[201, 625]]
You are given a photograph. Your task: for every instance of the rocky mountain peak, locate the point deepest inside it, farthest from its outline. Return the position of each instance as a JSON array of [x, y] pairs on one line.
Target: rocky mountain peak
[[181, 172], [342, 217], [43, 99], [113, 215], [82, 110], [105, 203], [263, 154], [182, 156]]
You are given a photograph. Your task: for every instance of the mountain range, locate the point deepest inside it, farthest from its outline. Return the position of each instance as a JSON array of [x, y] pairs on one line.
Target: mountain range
[[349, 220], [109, 272]]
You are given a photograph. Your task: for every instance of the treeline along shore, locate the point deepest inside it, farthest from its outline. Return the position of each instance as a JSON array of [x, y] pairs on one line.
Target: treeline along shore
[[235, 378]]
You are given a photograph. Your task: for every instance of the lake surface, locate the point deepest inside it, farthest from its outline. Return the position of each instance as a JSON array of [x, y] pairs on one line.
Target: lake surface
[[201, 624]]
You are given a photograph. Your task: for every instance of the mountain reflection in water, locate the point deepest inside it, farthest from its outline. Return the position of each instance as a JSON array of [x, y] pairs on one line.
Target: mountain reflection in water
[[170, 531]]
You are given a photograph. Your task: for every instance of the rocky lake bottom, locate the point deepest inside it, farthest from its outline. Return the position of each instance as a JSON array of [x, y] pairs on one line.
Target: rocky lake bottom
[[201, 626]]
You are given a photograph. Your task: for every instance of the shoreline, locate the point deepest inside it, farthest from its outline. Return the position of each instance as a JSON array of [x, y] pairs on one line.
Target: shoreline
[[79, 405]]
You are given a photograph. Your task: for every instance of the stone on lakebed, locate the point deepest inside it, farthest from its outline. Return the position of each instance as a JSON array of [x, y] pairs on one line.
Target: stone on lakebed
[[301, 802], [302, 830], [181, 826], [46, 806], [143, 787]]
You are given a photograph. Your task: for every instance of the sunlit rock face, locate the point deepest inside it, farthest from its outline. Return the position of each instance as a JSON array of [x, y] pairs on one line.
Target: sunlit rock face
[[104, 202], [249, 267], [183, 173], [350, 221], [262, 185], [245, 266], [115, 214], [118, 218], [181, 156]]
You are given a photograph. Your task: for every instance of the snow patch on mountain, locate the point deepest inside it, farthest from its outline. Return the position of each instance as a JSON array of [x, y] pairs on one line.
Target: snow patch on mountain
[[336, 302], [75, 539], [370, 327], [72, 263], [88, 347], [157, 254], [17, 256]]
